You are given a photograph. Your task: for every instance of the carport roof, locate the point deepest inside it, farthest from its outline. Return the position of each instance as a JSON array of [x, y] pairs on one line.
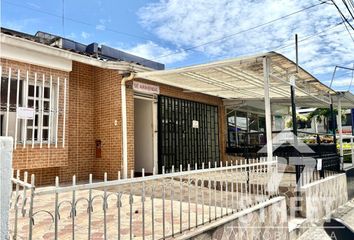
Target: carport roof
[[243, 79]]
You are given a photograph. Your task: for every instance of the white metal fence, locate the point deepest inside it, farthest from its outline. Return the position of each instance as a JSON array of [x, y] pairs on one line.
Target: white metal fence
[[148, 207]]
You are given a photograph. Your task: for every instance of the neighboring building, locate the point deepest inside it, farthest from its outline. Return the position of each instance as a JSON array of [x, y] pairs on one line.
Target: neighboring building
[[348, 122], [75, 90]]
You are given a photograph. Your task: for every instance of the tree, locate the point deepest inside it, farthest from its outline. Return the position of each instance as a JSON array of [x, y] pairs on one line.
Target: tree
[[300, 119], [323, 114]]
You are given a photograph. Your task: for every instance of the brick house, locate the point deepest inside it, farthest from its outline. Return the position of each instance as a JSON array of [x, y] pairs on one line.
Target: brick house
[[61, 102]]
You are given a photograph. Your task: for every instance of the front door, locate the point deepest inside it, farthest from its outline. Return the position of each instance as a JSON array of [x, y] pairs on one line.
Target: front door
[[188, 133]]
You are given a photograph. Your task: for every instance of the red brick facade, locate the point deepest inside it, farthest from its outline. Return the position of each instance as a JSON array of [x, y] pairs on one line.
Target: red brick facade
[[93, 113]]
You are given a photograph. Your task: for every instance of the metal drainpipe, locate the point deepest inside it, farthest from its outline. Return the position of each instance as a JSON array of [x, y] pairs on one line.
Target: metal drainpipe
[[124, 123]]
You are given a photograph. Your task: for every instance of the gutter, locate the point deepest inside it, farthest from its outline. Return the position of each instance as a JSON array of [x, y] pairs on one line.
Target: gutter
[[124, 122]]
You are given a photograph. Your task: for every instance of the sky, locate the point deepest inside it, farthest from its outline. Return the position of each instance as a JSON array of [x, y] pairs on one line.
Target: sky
[[187, 32]]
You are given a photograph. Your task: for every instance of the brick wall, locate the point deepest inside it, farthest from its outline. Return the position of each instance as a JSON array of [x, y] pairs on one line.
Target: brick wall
[[107, 122], [80, 122], [36, 159]]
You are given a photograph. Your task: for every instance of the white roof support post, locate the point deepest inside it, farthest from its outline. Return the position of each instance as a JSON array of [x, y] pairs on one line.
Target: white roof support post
[[124, 125], [268, 112], [340, 130]]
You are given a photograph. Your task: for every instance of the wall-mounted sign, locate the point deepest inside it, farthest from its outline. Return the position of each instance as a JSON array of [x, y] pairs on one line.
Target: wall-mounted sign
[[146, 88], [25, 113], [319, 164], [195, 124]]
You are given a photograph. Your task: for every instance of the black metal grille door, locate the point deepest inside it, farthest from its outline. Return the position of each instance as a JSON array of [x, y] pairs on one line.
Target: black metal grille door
[[188, 133]]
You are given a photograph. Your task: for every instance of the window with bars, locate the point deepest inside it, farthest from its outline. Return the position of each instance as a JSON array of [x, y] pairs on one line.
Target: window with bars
[[188, 133], [40, 95]]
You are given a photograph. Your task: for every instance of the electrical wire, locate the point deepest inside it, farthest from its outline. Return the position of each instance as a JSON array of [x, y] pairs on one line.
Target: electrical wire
[[322, 33], [238, 33], [206, 43], [351, 5], [308, 37], [184, 49], [350, 34], [341, 13], [347, 7], [74, 20]]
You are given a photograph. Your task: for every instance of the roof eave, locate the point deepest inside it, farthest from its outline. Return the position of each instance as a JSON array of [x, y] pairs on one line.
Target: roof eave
[[30, 46]]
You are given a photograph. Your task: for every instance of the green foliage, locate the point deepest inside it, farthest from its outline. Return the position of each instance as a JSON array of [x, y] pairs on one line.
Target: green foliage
[[299, 119], [319, 113], [346, 146]]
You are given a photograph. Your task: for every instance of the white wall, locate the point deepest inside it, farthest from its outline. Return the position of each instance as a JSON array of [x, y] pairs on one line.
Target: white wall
[[143, 135]]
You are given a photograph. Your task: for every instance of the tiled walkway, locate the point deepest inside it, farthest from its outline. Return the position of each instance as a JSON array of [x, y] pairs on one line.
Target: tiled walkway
[[193, 213], [345, 212]]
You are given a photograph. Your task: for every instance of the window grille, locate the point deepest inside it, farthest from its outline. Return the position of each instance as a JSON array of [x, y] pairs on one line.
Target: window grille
[[39, 94]]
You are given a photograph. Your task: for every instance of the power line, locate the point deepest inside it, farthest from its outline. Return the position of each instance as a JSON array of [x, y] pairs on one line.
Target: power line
[[62, 17], [338, 76], [196, 46], [311, 36], [181, 50], [240, 32], [350, 34], [347, 7], [341, 13], [351, 3], [305, 39]]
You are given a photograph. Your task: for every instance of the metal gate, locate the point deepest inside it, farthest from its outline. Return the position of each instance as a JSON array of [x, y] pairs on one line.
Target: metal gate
[[188, 133]]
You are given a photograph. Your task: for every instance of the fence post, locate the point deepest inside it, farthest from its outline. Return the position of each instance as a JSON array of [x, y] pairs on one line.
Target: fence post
[[6, 147], [352, 148]]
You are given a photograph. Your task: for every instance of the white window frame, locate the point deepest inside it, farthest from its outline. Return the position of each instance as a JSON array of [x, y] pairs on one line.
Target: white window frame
[[52, 113]]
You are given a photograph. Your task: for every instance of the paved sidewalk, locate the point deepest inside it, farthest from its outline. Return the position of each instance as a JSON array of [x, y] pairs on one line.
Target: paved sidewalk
[[203, 202], [345, 212]]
